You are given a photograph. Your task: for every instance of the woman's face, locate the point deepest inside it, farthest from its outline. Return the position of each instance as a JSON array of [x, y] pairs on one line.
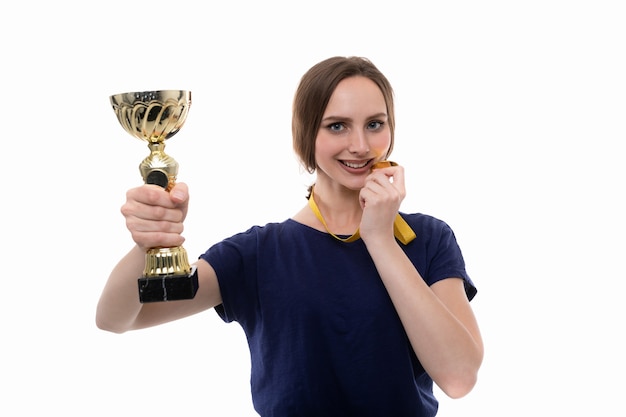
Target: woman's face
[[353, 134]]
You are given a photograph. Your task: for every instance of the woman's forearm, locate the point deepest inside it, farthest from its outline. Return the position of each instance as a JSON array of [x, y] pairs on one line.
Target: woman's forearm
[[119, 303]]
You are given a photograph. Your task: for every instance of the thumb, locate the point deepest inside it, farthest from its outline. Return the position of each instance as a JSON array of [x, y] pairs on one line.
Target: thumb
[[179, 193]]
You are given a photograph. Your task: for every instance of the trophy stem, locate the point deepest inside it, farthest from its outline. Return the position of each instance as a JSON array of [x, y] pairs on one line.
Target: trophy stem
[[157, 147], [159, 168]]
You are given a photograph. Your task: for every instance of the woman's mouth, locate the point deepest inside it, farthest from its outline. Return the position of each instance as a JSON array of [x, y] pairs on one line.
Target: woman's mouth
[[356, 165]]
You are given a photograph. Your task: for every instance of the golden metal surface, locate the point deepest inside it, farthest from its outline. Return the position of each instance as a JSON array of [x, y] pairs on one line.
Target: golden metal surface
[[166, 261], [154, 117], [383, 164]]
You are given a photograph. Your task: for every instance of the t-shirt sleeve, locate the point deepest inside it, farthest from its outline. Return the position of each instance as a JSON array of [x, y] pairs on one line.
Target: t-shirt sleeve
[[447, 261], [436, 253], [236, 275]]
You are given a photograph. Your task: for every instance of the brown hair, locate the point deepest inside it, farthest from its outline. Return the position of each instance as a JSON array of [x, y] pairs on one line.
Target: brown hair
[[313, 94]]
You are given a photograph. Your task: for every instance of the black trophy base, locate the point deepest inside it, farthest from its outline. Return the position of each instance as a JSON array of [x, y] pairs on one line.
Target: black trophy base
[[168, 287]]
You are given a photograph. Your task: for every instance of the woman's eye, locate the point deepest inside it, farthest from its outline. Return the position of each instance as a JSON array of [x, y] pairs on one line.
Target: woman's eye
[[375, 125], [336, 127]]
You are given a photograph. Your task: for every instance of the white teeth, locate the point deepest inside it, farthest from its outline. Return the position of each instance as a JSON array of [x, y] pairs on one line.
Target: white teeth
[[351, 165]]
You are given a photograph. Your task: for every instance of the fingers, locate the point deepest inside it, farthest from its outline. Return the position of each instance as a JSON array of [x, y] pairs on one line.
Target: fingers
[[380, 199], [154, 216], [180, 193], [386, 183]]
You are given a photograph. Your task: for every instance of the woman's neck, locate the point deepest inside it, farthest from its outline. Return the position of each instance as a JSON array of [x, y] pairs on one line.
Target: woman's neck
[[339, 207]]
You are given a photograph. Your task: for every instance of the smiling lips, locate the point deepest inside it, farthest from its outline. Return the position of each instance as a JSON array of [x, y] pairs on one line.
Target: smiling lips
[[355, 165], [377, 165]]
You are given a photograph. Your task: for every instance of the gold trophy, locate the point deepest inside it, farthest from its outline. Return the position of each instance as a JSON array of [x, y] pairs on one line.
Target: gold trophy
[[155, 116]]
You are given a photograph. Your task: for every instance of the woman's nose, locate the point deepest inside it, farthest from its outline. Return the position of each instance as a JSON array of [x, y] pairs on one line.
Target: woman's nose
[[358, 143]]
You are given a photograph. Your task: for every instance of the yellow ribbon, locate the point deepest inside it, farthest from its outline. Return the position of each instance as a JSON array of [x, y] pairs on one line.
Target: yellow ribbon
[[401, 230]]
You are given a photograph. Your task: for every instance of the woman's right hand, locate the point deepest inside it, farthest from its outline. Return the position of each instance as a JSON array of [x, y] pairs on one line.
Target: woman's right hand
[[155, 216]]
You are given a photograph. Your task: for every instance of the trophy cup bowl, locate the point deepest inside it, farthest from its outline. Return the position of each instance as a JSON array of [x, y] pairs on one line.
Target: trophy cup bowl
[[154, 117]]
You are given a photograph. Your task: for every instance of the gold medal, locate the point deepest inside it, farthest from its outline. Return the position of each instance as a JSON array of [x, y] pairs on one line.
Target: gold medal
[[383, 164]]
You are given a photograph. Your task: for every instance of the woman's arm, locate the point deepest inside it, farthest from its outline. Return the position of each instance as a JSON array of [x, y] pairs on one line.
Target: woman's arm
[[438, 320], [155, 219]]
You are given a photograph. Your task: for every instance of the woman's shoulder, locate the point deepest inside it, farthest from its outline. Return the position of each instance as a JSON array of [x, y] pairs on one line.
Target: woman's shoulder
[[428, 228], [423, 220], [266, 230]]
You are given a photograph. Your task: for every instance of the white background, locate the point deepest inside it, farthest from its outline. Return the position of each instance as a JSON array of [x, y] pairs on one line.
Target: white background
[[510, 125]]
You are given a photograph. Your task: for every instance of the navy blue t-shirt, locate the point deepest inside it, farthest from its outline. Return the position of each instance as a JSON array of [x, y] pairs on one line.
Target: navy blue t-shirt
[[324, 337]]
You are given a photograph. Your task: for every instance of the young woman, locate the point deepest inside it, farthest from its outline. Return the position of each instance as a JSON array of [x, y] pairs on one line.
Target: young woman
[[349, 307]]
